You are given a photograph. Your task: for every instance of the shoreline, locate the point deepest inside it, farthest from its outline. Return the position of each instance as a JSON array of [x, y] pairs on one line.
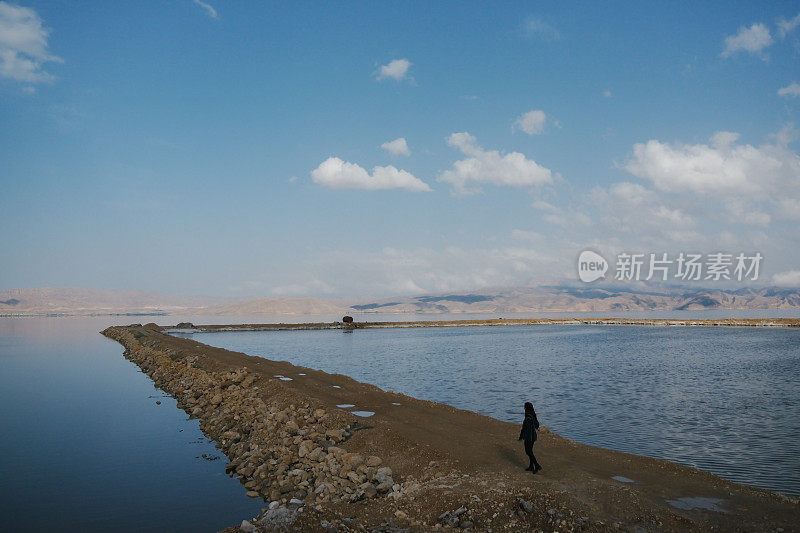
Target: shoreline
[[418, 464], [499, 322]]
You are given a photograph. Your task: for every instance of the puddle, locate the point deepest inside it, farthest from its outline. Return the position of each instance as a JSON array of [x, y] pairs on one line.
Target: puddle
[[623, 479], [284, 379], [336, 386], [395, 403], [699, 502], [345, 405], [301, 374], [363, 413]]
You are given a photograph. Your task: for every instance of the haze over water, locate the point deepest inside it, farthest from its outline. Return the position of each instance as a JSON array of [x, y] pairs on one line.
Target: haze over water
[[723, 400]]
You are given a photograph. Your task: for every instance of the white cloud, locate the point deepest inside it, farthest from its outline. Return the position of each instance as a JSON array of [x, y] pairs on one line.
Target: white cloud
[[23, 45], [785, 27], [790, 278], [631, 208], [753, 40], [793, 89], [208, 8], [397, 69], [398, 146], [337, 174], [537, 28], [490, 168], [721, 167], [531, 122], [607, 94]]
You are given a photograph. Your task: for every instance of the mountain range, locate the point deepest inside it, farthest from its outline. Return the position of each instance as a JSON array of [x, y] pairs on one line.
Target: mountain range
[[546, 298]]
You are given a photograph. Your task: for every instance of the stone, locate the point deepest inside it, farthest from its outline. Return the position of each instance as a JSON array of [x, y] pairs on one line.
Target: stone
[[247, 527], [355, 478], [369, 490], [252, 494], [374, 461], [337, 435], [383, 487], [352, 460]]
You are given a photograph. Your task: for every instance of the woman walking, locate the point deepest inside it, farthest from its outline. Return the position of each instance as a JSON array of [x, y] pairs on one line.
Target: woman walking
[[528, 434]]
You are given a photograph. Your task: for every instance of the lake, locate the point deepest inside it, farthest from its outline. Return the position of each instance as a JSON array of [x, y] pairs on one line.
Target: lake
[[86, 446], [724, 400]]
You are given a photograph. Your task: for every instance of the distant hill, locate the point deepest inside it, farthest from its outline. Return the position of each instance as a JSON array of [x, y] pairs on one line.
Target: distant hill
[[280, 306], [576, 299], [83, 301], [80, 301]]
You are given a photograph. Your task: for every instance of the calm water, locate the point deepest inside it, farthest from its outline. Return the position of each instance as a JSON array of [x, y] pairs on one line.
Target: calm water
[[724, 400], [85, 447]]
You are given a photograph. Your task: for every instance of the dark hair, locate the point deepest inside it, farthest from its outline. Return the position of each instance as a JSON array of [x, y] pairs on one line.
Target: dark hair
[[529, 409]]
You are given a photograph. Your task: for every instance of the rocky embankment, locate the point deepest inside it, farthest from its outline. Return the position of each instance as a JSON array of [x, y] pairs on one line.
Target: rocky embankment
[[418, 465], [287, 452]]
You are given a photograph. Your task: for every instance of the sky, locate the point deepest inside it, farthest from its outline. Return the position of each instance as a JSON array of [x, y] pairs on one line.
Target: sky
[[248, 149]]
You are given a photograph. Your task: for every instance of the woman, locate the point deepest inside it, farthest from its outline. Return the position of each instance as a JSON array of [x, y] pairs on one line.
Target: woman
[[528, 433]]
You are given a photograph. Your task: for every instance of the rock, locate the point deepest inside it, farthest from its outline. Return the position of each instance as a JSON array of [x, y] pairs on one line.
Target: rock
[[252, 494], [383, 487], [525, 506], [216, 400], [185, 325], [355, 478], [247, 527], [466, 524], [337, 435], [357, 496], [295, 503], [369, 490], [277, 519], [352, 460], [274, 504], [374, 461]]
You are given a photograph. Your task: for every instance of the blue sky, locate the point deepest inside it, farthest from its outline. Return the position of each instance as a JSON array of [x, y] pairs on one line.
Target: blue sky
[[229, 148]]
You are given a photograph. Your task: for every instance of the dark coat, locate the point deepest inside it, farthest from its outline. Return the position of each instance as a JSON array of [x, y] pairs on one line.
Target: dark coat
[[529, 427]]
